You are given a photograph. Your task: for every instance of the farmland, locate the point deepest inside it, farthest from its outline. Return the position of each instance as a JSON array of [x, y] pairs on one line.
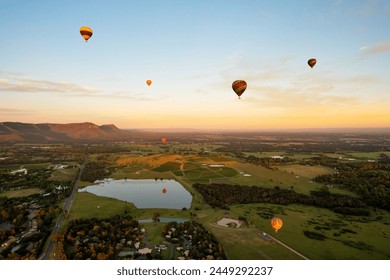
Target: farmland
[[315, 232]]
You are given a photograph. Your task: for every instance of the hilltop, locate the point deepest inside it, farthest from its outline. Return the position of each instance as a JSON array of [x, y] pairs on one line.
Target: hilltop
[[48, 132]]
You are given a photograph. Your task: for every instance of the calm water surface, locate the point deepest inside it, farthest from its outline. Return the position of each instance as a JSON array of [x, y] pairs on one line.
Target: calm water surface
[[146, 193]]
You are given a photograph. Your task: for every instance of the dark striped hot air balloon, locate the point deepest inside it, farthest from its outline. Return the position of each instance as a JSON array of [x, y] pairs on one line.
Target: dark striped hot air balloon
[[239, 87], [86, 32], [312, 62]]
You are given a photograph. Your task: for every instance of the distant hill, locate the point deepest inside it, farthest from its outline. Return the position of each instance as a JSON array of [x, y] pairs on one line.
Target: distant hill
[[48, 132]]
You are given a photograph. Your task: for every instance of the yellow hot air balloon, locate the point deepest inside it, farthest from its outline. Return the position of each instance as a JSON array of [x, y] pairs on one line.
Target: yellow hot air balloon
[[86, 32], [276, 224], [148, 82], [239, 87], [312, 62]]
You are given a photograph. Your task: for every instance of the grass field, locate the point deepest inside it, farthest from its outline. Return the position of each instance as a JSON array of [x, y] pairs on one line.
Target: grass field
[[86, 206], [21, 193], [344, 239], [305, 171], [316, 233]]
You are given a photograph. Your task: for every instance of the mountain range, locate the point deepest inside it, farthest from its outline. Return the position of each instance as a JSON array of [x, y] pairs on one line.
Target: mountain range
[[49, 132]]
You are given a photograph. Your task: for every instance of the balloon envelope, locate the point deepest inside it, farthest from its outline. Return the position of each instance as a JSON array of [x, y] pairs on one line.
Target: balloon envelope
[[163, 139], [164, 190], [276, 224], [239, 87], [148, 82], [312, 62], [86, 32]]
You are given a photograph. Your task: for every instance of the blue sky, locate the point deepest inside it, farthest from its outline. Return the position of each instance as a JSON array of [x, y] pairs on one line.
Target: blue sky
[[193, 51]]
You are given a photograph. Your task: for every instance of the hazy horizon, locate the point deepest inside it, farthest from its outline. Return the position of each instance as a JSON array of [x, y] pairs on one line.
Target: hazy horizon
[[242, 130]]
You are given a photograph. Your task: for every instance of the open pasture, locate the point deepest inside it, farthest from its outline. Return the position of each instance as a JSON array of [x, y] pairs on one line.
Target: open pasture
[[305, 170], [322, 234]]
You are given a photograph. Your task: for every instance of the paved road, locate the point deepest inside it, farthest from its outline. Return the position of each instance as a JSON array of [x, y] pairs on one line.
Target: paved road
[[67, 205]]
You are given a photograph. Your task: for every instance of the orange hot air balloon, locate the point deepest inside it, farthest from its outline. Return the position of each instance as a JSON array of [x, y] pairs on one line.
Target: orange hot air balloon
[[276, 224], [86, 32], [312, 62], [148, 82], [239, 87], [163, 140], [164, 190]]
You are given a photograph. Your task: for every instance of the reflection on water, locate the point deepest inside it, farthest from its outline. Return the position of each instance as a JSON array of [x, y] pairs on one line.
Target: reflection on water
[[144, 193]]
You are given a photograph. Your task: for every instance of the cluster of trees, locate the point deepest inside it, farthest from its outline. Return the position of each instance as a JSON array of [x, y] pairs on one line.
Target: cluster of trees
[[15, 222], [267, 162], [370, 181], [221, 195], [99, 238], [193, 236], [95, 170], [39, 179], [19, 154]]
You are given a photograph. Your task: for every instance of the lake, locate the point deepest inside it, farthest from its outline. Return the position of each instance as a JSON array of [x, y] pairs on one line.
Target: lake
[[146, 193]]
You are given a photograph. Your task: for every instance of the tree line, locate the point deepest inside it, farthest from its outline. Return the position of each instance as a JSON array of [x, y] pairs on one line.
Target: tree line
[[223, 195]]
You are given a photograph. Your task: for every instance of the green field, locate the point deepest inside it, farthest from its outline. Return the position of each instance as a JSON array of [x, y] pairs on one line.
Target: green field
[[21, 192], [305, 171], [86, 206], [314, 232]]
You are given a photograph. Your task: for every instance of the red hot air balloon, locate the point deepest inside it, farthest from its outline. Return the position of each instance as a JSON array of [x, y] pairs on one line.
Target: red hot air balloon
[[164, 190], [312, 62], [148, 82], [163, 140], [239, 87]]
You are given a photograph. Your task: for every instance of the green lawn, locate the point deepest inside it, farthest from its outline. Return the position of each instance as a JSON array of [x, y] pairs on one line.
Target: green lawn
[[21, 193], [87, 205]]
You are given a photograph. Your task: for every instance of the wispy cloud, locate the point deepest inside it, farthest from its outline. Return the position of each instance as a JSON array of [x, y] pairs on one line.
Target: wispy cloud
[[14, 112], [23, 84], [16, 82], [379, 48]]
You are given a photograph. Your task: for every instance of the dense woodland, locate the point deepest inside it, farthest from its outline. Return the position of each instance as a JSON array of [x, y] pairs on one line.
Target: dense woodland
[[223, 195], [370, 181], [94, 170]]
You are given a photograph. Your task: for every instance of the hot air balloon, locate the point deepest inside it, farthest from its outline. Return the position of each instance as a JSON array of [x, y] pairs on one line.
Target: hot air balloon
[[276, 224], [148, 82], [164, 190], [312, 62], [86, 32], [163, 140], [239, 87]]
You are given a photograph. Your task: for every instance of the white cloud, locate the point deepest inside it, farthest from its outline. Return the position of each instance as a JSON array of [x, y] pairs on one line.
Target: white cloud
[[379, 48]]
